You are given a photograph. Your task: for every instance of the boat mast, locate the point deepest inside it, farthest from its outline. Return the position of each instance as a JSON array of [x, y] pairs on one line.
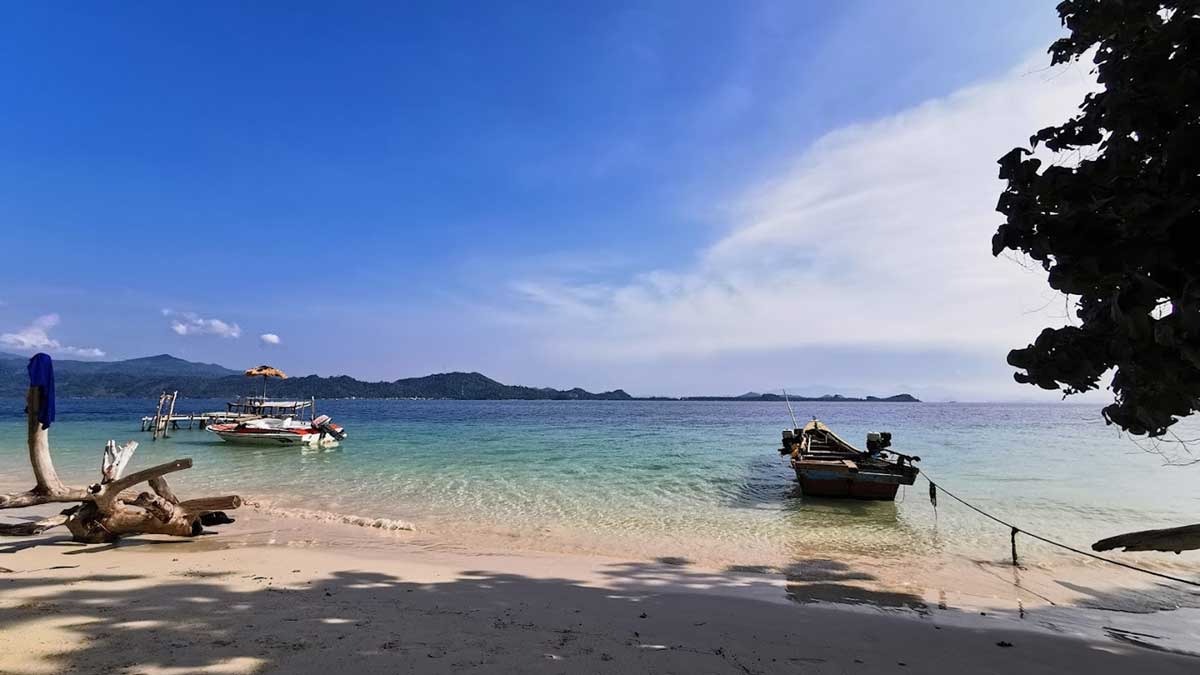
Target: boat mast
[[790, 411]]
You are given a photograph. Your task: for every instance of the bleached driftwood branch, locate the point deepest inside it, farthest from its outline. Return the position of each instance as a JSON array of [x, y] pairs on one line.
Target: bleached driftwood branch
[[106, 493], [114, 459], [47, 486], [108, 510], [1186, 538]]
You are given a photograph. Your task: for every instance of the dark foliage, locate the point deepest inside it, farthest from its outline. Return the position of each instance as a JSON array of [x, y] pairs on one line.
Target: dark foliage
[[146, 377], [1116, 219]]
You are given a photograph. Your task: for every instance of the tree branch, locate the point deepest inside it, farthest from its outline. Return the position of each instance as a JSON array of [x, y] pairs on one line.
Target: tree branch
[[1186, 538], [33, 497], [209, 504], [39, 446], [160, 487], [109, 492], [30, 529]]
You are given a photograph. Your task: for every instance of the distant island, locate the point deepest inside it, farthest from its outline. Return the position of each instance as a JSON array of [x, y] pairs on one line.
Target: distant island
[[832, 398], [147, 376]]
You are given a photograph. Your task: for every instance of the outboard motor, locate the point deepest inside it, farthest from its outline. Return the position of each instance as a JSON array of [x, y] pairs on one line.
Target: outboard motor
[[789, 437], [878, 441], [322, 423]]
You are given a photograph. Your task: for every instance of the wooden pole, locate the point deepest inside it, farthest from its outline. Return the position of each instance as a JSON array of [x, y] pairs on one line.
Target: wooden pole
[[171, 412], [157, 416]]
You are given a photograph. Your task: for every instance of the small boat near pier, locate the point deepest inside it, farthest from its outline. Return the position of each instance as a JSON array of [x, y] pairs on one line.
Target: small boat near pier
[[828, 466], [262, 421], [258, 420]]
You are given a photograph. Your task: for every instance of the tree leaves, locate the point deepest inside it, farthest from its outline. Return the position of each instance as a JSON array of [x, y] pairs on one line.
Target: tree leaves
[[1118, 224]]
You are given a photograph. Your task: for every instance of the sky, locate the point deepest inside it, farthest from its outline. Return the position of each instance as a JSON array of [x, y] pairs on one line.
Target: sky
[[667, 197]]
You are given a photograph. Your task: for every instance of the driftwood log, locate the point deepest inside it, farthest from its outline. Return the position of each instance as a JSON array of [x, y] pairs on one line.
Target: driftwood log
[[110, 509], [1177, 539]]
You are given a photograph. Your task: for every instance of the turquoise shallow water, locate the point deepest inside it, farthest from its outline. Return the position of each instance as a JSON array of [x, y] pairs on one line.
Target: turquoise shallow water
[[694, 479]]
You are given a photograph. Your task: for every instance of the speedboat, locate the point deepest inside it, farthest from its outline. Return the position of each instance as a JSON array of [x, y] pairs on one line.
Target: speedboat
[[277, 431], [255, 420]]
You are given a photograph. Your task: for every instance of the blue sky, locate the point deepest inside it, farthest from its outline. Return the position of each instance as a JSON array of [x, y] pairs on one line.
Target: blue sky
[[595, 194]]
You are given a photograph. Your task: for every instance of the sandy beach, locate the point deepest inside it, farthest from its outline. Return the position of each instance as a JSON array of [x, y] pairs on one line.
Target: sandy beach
[[281, 595]]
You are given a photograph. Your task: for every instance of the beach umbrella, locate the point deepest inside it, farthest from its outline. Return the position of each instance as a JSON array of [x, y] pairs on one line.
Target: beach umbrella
[[264, 372]]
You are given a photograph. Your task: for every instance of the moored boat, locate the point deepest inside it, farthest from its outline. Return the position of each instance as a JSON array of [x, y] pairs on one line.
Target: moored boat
[[257, 420], [280, 431], [828, 466]]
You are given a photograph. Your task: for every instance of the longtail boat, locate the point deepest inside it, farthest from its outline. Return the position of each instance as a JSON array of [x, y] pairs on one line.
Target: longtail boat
[[828, 466]]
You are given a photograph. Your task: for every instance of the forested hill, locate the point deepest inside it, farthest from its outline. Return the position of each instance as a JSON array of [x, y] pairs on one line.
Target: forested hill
[[146, 377]]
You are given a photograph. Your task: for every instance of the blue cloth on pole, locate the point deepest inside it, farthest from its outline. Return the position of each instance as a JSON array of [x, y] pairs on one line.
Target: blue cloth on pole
[[41, 374]]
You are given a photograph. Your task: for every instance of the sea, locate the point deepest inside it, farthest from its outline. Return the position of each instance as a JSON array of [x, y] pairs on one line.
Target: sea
[[701, 481]]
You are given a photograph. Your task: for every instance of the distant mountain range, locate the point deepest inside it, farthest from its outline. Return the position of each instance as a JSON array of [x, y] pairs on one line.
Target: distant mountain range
[[147, 376]]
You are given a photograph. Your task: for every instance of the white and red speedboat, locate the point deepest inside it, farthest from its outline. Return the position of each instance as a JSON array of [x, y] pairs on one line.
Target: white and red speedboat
[[274, 431], [258, 421]]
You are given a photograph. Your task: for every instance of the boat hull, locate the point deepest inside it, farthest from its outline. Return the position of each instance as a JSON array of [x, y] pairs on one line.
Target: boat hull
[[826, 465], [846, 483], [239, 435], [267, 439]]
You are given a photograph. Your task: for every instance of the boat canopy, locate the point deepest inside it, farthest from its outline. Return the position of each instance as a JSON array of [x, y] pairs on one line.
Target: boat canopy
[[256, 405]]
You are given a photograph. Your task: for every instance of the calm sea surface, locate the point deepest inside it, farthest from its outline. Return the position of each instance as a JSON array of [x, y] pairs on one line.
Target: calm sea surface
[[700, 480]]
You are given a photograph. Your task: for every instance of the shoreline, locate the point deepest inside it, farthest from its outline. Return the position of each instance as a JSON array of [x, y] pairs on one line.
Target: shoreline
[[928, 576], [271, 593], [931, 565]]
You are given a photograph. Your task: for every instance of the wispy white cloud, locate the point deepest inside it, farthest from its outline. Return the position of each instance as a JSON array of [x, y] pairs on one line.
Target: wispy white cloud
[[36, 338], [269, 339], [190, 323], [878, 236]]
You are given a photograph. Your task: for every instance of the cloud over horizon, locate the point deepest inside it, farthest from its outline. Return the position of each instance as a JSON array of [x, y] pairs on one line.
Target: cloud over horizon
[[190, 323], [877, 237], [269, 339], [36, 338]]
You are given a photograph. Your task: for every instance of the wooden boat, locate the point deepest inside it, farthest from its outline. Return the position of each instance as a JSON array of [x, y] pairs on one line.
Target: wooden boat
[[828, 466], [261, 421]]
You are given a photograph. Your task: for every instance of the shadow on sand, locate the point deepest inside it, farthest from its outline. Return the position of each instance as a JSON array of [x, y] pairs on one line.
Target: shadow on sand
[[643, 618]]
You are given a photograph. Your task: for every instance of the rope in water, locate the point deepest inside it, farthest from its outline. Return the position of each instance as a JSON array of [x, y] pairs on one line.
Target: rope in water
[[1017, 530]]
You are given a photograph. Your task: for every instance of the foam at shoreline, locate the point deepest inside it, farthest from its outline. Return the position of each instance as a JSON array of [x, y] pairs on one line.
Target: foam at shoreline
[[393, 524]]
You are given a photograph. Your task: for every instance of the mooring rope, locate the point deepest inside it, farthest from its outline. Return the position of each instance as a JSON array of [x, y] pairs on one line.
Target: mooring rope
[[1014, 531]]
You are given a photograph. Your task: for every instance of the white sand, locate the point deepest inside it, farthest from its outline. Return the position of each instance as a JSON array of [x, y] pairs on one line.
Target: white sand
[[268, 595]]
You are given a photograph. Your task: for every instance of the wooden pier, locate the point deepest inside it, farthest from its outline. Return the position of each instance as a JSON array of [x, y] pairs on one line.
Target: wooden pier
[[188, 421], [165, 418]]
